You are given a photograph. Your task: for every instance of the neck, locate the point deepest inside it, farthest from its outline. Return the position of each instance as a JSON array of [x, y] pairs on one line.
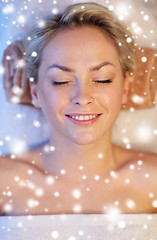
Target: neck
[[93, 159]]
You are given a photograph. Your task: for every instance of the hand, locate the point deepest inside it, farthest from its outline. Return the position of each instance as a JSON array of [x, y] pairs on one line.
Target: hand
[[15, 81]]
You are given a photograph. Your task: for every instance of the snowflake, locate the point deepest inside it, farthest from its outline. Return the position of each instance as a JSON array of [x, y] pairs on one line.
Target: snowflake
[[97, 178], [122, 224], [30, 171], [130, 204], [146, 17], [19, 224], [50, 180], [77, 208], [132, 167], [144, 59], [113, 212], [100, 155], [36, 123], [81, 233], [55, 234], [129, 40], [140, 162], [71, 238], [7, 207], [151, 195], [34, 54], [63, 171], [127, 181], [41, 23], [16, 179], [32, 203], [21, 19], [107, 180], [8, 9], [154, 203], [111, 7], [137, 99], [81, 167], [76, 193], [116, 203], [55, 11], [84, 177], [39, 192], [56, 194]]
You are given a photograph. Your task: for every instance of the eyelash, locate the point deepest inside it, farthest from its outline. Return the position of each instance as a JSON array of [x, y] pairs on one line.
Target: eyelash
[[104, 81], [59, 83], [97, 81]]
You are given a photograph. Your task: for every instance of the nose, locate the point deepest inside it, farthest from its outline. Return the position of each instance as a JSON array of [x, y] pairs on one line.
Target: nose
[[83, 95]]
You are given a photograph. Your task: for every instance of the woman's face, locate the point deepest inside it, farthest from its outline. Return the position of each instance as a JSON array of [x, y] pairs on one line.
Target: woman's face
[[80, 86]]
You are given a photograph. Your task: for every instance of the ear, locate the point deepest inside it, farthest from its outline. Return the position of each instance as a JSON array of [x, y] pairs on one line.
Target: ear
[[126, 88], [34, 94]]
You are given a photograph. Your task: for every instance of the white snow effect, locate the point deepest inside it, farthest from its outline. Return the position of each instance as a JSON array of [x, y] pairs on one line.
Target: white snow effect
[[76, 193]]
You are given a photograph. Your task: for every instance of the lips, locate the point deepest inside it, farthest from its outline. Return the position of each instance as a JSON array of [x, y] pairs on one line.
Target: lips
[[83, 119]]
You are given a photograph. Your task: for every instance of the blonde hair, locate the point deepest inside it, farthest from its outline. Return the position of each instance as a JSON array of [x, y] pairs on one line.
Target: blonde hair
[[77, 15]]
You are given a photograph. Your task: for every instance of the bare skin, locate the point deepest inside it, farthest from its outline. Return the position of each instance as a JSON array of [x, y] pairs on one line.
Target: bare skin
[[129, 188], [84, 173]]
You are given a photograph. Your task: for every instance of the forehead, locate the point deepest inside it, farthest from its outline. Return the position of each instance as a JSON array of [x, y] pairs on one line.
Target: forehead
[[85, 34], [79, 44]]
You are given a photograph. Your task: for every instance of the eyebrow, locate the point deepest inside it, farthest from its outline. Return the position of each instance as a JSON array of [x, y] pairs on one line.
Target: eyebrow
[[67, 69], [98, 67]]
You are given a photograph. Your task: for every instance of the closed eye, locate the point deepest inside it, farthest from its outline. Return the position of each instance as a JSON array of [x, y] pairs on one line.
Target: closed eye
[[60, 83], [103, 81], [67, 82]]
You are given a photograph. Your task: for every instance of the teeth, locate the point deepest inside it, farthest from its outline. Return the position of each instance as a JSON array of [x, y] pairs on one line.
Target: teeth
[[86, 118], [83, 118], [80, 118]]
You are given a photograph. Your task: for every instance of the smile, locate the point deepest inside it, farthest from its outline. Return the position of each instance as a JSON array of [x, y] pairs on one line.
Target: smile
[[83, 119]]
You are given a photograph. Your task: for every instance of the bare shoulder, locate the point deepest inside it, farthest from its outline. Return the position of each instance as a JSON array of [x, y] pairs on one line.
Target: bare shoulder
[[17, 164], [16, 173], [125, 156], [140, 166], [138, 171], [144, 162], [6, 165], [13, 167], [9, 169]]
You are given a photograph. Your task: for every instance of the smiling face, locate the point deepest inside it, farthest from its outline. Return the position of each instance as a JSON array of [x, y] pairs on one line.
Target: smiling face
[[80, 85]]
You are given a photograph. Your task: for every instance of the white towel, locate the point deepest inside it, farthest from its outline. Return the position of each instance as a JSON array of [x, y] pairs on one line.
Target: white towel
[[79, 226]]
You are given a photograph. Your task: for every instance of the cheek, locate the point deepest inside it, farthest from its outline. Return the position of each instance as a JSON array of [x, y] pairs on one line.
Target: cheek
[[52, 101], [111, 97]]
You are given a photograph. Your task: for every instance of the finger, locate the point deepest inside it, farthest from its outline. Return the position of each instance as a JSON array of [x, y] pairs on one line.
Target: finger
[[17, 51], [11, 57], [13, 52], [7, 78], [25, 80], [26, 89], [8, 95], [12, 69], [20, 46], [8, 64], [17, 77]]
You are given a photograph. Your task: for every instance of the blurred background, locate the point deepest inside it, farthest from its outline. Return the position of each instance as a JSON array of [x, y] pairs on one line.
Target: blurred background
[[23, 127]]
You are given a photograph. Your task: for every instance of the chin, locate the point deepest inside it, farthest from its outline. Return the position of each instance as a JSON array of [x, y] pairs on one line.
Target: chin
[[84, 140]]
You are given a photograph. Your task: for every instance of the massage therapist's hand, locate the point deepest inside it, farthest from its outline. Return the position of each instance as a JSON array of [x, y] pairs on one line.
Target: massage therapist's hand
[[15, 81]]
